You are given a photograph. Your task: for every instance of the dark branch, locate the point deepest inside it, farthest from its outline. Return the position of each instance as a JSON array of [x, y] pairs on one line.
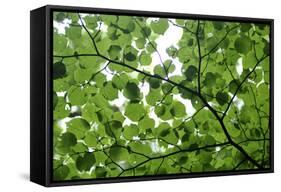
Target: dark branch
[[240, 85], [199, 57]]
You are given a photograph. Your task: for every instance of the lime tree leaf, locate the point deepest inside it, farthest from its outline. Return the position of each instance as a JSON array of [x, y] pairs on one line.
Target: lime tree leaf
[[99, 79], [178, 109], [190, 73], [68, 139], [91, 22], [243, 45], [73, 33], [140, 147], [61, 173], [62, 109], [210, 80], [131, 131], [132, 91], [78, 127], [114, 51], [218, 25], [130, 56], [233, 86], [120, 81], [60, 44], [153, 96], [91, 139], [85, 162], [140, 43], [77, 96], [126, 23], [135, 107], [109, 92], [222, 98], [160, 110], [59, 70], [82, 75], [89, 112], [134, 111], [145, 59], [154, 83], [146, 123], [118, 153], [59, 16], [160, 26]]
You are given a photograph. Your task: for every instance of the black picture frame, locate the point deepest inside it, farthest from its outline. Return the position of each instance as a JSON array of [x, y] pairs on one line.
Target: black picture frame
[[41, 97]]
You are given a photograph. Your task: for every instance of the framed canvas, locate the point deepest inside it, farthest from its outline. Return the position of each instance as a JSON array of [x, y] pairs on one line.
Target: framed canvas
[[123, 95]]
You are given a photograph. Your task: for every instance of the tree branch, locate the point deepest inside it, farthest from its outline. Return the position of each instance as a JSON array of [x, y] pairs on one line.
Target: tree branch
[[199, 57], [88, 32], [240, 85]]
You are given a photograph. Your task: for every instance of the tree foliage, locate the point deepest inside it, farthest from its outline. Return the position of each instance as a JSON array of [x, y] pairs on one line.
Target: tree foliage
[[121, 109]]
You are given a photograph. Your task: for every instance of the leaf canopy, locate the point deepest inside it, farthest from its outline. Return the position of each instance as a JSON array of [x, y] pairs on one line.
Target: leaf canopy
[[137, 96]]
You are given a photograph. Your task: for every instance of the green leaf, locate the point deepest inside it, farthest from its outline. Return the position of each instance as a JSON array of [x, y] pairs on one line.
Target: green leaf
[[126, 23], [109, 92], [243, 45], [130, 56], [153, 96], [160, 26], [146, 123], [68, 139], [77, 96], [89, 112], [160, 110], [139, 147], [171, 51], [145, 59], [178, 109], [60, 44], [190, 73], [61, 173], [85, 162], [59, 16], [73, 33], [91, 21], [140, 43], [118, 153], [111, 120], [134, 111], [166, 88], [62, 109], [108, 19], [154, 83], [132, 91], [82, 75], [222, 98], [78, 127], [205, 157], [91, 139], [209, 140], [59, 70], [99, 79], [218, 25], [210, 80], [120, 81], [131, 131], [114, 51]]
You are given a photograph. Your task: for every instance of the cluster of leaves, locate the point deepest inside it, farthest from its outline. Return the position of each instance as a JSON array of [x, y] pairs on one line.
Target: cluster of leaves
[[101, 59]]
